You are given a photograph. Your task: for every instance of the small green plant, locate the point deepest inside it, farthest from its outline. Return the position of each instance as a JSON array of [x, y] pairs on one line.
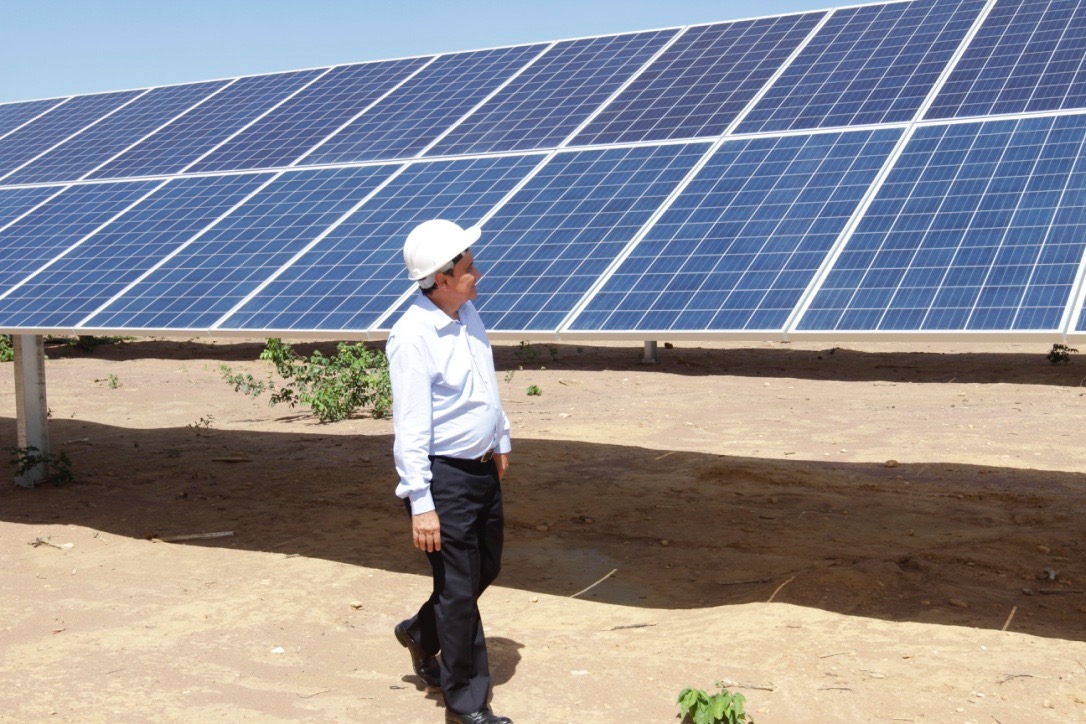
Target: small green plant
[[332, 387], [57, 465], [509, 375], [698, 707], [534, 391], [526, 353], [553, 351], [114, 383], [202, 426], [7, 350], [1060, 354]]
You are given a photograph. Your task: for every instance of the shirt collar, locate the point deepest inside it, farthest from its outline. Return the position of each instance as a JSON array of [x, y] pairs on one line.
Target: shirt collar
[[441, 321]]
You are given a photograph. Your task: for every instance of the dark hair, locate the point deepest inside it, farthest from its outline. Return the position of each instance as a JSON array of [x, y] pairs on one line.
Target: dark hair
[[444, 270]]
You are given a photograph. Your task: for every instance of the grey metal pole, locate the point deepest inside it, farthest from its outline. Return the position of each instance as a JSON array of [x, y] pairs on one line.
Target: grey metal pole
[[30, 408], [649, 356]]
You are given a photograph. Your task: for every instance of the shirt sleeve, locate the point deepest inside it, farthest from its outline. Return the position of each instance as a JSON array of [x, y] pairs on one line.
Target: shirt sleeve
[[412, 419]]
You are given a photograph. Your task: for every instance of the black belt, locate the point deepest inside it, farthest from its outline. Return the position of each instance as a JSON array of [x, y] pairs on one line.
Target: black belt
[[484, 458]]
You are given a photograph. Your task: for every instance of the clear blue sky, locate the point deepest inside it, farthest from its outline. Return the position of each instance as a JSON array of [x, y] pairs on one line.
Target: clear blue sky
[[61, 47]]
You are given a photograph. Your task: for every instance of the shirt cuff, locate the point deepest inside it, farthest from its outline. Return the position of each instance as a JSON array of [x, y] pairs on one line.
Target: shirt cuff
[[505, 445], [421, 501]]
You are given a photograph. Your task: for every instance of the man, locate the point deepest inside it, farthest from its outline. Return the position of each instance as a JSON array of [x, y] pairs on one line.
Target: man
[[451, 450]]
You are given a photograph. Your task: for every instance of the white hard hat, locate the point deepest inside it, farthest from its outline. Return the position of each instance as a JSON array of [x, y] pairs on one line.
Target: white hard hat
[[432, 245]]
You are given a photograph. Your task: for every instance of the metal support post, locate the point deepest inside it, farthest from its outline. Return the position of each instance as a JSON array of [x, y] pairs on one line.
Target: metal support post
[[649, 357], [30, 407]]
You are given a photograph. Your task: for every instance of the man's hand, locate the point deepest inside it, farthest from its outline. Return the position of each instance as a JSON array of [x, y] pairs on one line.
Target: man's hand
[[426, 529], [502, 461]]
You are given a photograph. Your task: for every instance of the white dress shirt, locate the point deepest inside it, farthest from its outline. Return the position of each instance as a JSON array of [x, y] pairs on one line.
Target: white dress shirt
[[445, 397]]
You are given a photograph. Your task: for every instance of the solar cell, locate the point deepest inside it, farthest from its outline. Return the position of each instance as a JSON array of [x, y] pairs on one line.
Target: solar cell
[[13, 115], [207, 277], [59, 223], [76, 284], [979, 226], [16, 202], [554, 95], [174, 147], [84, 152], [698, 86], [871, 64], [416, 113], [353, 275], [298, 125], [76, 113], [741, 243], [1027, 56], [545, 248]]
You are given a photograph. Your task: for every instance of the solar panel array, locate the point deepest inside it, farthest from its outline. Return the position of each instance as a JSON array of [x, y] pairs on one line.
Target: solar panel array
[[915, 167]]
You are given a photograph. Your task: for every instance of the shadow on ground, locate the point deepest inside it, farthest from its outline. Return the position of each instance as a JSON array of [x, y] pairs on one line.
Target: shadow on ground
[[938, 543], [831, 363]]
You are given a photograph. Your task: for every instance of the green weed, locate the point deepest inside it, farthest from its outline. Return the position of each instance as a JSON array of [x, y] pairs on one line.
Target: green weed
[[698, 707]]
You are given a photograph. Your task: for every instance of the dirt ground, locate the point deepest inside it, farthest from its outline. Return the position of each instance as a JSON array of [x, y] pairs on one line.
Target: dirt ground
[[872, 533]]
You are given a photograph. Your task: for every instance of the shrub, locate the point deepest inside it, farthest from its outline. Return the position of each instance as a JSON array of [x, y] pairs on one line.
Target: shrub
[[333, 387]]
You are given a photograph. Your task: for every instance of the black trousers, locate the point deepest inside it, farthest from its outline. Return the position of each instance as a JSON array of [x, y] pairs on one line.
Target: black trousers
[[468, 501]]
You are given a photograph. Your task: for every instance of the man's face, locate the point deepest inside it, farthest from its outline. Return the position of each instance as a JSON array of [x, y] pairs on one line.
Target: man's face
[[461, 280]]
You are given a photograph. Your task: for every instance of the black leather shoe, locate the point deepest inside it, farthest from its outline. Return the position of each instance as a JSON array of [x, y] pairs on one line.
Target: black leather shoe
[[426, 667], [484, 716]]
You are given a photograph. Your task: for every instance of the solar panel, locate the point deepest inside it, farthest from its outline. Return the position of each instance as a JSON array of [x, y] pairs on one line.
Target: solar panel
[[76, 157], [979, 226], [554, 96], [871, 64], [349, 278], [81, 281], [298, 125], [208, 276], [59, 223], [1028, 56], [549, 244], [416, 113], [13, 115], [702, 82], [741, 243], [906, 167], [192, 135], [43, 133]]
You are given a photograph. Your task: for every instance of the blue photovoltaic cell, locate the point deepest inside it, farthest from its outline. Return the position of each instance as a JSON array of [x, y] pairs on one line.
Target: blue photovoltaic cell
[[544, 249], [355, 273], [62, 121], [16, 202], [298, 125], [74, 158], [1081, 327], [13, 115], [701, 83], [54, 226], [1028, 56], [96, 270], [979, 226], [871, 64], [554, 95], [415, 114], [215, 272], [192, 135], [742, 242]]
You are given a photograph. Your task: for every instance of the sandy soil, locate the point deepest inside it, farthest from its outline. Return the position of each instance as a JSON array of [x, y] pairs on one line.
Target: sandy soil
[[865, 534]]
